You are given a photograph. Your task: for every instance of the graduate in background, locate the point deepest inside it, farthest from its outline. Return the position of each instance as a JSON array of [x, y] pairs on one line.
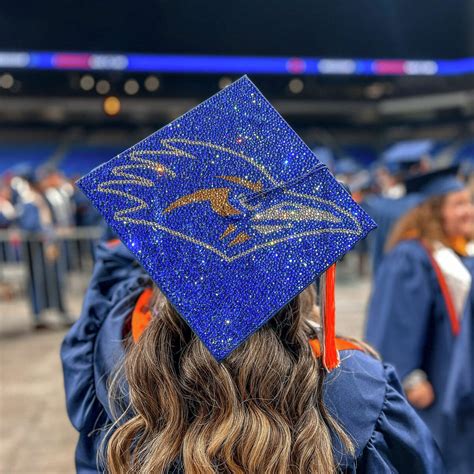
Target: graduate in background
[[41, 251], [58, 193], [422, 302], [400, 161]]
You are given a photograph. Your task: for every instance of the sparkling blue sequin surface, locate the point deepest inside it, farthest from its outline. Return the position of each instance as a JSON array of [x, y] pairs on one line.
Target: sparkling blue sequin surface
[[229, 212]]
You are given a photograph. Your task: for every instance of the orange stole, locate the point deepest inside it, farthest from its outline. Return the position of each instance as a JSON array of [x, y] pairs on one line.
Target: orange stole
[[341, 345], [448, 300], [141, 316], [112, 243]]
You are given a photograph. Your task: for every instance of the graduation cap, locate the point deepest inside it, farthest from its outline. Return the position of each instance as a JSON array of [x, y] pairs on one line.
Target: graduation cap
[[404, 154], [326, 156], [362, 180], [346, 166], [231, 214], [435, 183]]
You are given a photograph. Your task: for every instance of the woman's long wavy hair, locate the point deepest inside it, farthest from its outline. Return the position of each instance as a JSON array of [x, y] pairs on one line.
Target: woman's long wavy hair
[[261, 410], [423, 222]]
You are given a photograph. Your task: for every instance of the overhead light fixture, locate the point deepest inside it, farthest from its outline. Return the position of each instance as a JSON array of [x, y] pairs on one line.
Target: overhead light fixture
[[152, 83], [296, 86], [112, 106], [131, 87], [87, 82], [224, 82], [377, 90], [102, 87], [6, 81]]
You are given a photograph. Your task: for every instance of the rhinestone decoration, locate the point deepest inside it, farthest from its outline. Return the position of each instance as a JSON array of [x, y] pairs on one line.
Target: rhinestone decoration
[[229, 212]]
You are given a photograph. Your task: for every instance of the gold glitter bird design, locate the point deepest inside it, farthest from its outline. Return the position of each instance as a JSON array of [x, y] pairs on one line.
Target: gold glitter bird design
[[295, 216], [282, 215]]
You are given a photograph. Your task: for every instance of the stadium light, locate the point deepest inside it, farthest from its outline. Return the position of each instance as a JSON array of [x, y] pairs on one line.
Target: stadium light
[[6, 81], [112, 106], [102, 87], [296, 86], [152, 83], [87, 82], [131, 87]]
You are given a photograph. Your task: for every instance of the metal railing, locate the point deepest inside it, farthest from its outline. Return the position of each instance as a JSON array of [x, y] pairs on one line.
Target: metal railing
[[74, 246]]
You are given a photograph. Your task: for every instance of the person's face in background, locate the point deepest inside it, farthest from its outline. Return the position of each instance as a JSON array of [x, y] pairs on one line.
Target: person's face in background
[[423, 166], [51, 180], [457, 213], [5, 192], [56, 180], [384, 179]]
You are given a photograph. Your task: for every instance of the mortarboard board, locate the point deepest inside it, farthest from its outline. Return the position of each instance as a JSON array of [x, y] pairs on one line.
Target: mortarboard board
[[346, 166], [406, 153], [434, 183], [229, 212], [326, 156], [360, 181]]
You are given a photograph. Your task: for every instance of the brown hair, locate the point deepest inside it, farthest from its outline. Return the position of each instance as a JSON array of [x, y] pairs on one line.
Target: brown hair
[[260, 410], [424, 222]]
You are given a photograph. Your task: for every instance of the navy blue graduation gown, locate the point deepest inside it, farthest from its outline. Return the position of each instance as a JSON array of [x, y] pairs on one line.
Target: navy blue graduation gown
[[29, 218], [408, 324], [385, 212], [363, 394]]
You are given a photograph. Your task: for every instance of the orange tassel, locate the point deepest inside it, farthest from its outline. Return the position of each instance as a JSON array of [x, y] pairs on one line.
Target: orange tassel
[[330, 353]]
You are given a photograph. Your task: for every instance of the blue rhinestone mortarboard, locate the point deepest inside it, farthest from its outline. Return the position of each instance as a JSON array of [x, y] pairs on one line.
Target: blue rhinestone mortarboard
[[229, 212]]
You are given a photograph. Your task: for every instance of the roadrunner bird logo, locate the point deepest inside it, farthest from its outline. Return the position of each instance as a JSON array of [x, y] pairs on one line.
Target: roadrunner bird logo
[[221, 199]]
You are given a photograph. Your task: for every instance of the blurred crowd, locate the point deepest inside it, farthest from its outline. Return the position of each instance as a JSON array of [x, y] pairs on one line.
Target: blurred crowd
[[38, 200], [40, 213]]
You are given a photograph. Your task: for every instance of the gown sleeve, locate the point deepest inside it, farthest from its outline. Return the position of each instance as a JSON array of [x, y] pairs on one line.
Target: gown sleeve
[[400, 307], [400, 442], [94, 345]]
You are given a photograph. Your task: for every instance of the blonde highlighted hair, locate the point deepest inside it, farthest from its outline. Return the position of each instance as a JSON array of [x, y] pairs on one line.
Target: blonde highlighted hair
[[261, 410], [423, 222]]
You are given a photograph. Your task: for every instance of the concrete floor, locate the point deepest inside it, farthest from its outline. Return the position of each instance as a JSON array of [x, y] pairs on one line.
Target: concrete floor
[[35, 434]]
